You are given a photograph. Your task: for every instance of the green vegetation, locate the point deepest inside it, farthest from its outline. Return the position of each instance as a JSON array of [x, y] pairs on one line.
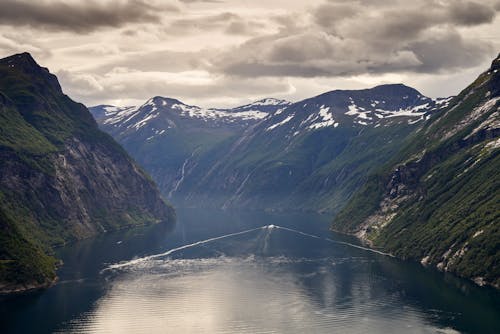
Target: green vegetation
[[23, 261], [62, 179], [438, 200]]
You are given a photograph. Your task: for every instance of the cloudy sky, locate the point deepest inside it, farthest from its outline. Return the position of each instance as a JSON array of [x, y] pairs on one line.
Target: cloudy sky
[[219, 53]]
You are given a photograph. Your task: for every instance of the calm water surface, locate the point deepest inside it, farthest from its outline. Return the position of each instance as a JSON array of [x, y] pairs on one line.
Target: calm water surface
[[223, 272]]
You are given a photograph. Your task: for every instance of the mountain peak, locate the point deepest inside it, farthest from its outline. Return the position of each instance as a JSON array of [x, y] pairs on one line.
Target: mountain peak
[[494, 77], [24, 63], [20, 59], [269, 101], [160, 101], [399, 89]]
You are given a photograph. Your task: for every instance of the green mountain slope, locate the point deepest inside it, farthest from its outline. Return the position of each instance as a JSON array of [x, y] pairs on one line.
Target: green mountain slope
[[438, 200], [61, 178]]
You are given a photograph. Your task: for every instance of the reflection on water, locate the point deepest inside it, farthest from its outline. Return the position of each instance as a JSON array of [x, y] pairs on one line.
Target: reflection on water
[[245, 295], [231, 274]]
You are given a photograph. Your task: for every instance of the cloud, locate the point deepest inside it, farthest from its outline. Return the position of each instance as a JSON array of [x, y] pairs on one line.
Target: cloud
[[195, 1], [79, 16], [350, 38], [218, 53], [226, 22], [470, 13], [329, 14], [135, 86], [153, 61], [80, 84], [445, 50], [14, 44]]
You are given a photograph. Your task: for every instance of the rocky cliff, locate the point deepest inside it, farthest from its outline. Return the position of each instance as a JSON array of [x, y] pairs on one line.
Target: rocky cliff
[[61, 178]]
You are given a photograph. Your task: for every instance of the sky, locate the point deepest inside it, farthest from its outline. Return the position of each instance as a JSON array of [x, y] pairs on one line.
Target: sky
[[225, 53]]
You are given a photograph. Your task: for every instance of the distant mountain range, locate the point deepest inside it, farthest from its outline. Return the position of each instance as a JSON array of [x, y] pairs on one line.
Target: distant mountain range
[[270, 154], [61, 178]]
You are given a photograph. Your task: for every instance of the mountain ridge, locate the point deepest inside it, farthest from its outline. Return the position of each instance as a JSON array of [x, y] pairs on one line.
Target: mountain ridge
[[343, 112]]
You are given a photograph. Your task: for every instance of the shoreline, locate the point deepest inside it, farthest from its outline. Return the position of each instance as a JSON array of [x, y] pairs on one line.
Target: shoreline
[[21, 289], [479, 281]]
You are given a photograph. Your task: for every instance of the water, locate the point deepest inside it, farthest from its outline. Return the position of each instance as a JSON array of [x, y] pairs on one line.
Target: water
[[220, 272]]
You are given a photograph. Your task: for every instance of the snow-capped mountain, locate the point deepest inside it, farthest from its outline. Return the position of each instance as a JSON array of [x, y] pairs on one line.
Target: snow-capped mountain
[[270, 153], [164, 133], [380, 106], [161, 113], [269, 106]]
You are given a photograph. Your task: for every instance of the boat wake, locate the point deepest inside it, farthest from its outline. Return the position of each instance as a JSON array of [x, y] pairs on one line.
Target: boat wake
[[269, 229]]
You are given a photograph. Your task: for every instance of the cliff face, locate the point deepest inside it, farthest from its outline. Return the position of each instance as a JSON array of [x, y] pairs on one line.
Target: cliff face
[[61, 178], [438, 201]]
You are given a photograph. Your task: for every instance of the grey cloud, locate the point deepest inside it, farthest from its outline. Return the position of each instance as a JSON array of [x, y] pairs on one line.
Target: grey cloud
[[344, 57], [301, 48], [242, 27], [227, 22], [194, 1], [346, 38], [156, 61], [79, 16], [396, 24], [471, 13], [329, 14], [448, 51], [194, 55], [201, 23]]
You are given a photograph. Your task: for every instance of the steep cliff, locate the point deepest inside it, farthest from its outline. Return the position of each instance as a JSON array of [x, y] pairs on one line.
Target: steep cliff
[[438, 201], [61, 178]]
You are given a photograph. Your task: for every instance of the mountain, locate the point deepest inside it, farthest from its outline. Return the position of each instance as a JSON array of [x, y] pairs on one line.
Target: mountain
[[164, 134], [308, 155], [167, 113], [314, 153], [437, 201], [61, 178]]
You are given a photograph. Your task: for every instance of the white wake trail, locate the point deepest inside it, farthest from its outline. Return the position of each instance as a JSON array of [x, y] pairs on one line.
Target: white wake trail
[[173, 250], [268, 227], [336, 242]]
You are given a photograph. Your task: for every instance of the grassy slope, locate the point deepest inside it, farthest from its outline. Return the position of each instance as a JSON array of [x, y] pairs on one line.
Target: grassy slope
[[449, 196]]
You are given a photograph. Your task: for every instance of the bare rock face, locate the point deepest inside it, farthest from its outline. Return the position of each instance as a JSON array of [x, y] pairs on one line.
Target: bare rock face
[[61, 178]]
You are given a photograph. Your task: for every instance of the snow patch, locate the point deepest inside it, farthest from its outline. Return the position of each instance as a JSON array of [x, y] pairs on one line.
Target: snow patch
[[326, 119], [286, 120]]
